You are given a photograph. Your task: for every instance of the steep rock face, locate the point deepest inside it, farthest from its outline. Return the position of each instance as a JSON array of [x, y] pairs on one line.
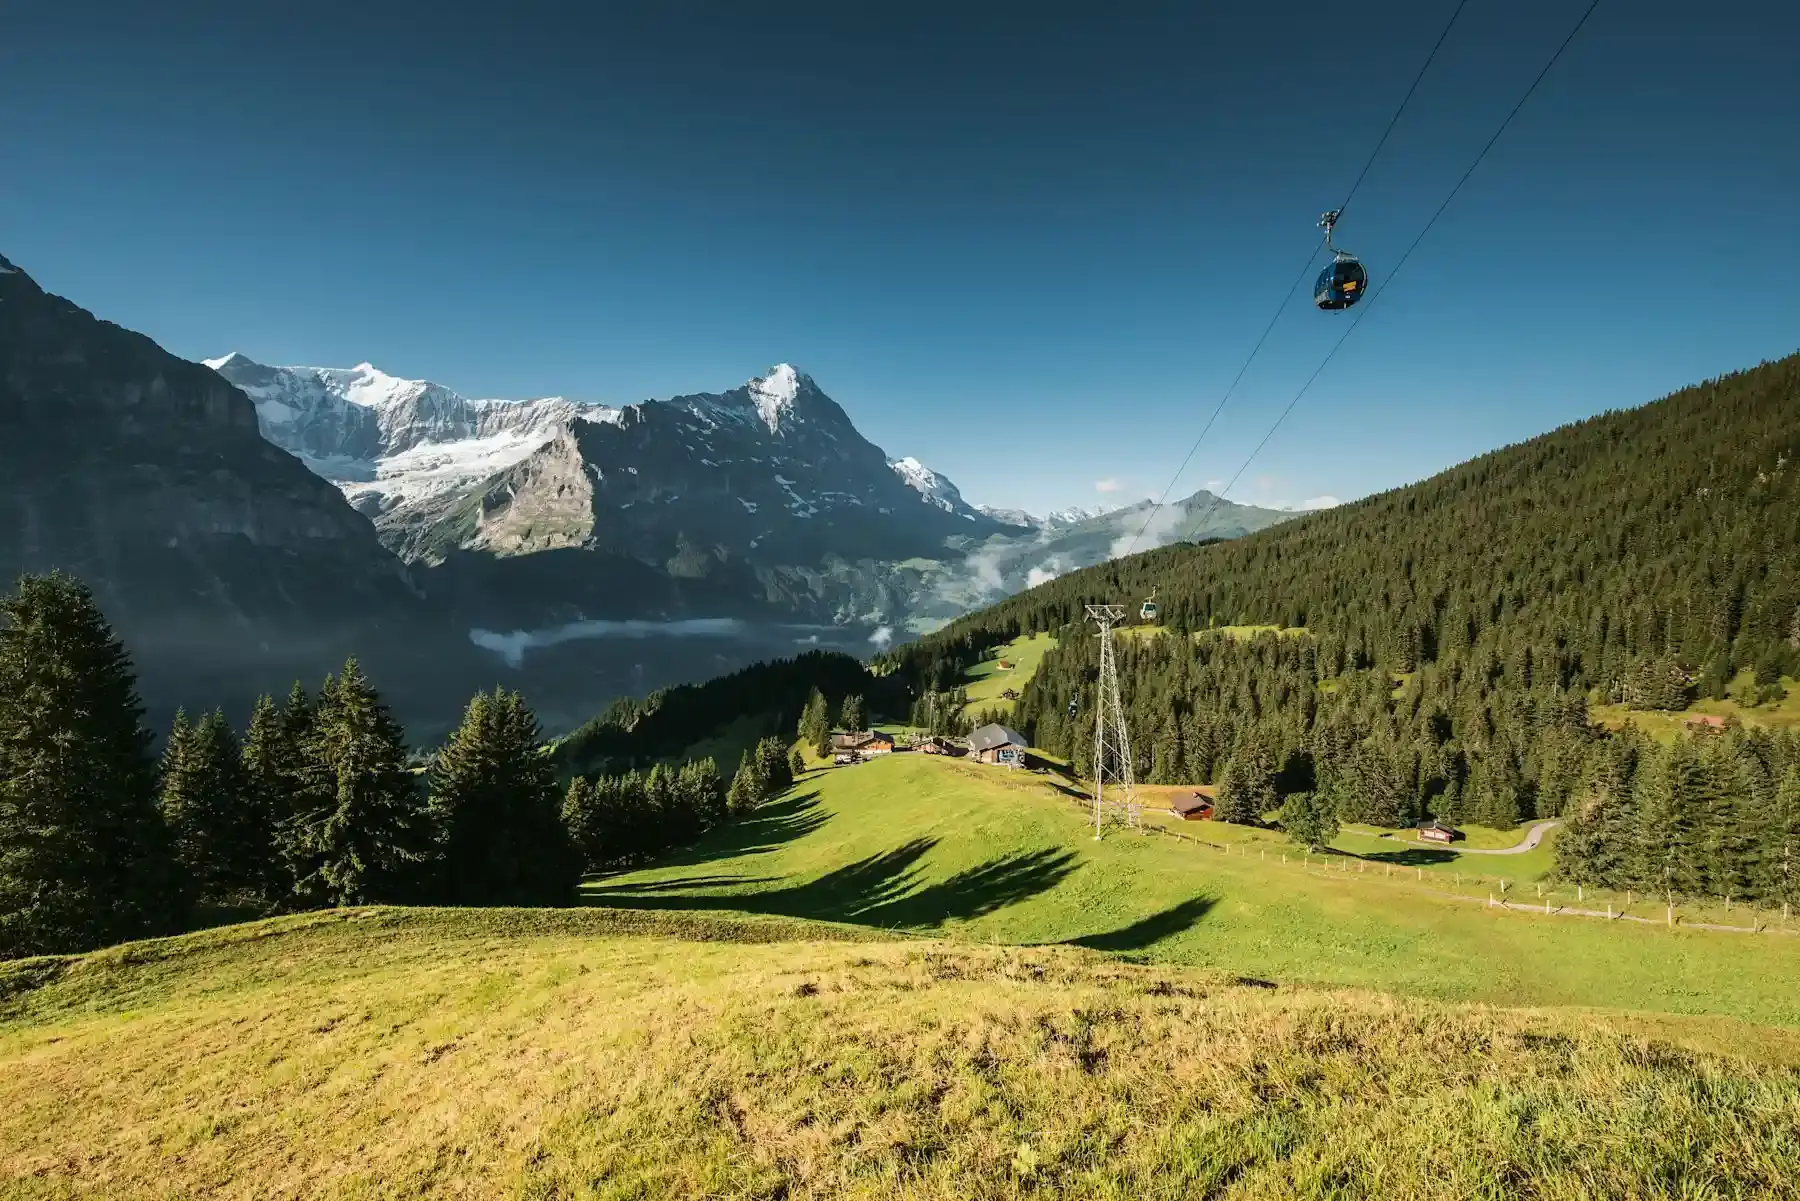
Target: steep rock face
[[773, 472], [543, 503], [227, 566], [409, 454]]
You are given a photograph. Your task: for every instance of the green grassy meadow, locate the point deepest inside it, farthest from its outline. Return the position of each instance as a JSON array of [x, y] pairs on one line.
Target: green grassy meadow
[[985, 680], [1667, 726], [924, 845], [391, 1053]]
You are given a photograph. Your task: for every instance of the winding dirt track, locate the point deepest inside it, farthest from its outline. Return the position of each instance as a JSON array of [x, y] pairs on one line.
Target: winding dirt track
[[1533, 836]]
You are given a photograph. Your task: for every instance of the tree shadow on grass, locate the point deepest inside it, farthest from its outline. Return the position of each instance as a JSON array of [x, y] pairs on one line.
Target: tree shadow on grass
[[977, 891], [879, 890], [1411, 857], [770, 827], [1147, 931]]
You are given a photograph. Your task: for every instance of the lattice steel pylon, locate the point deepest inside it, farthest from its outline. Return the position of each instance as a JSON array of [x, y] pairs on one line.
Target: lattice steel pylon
[[1112, 741]]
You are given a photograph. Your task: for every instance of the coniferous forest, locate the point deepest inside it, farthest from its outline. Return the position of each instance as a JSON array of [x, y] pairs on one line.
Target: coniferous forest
[[1442, 644], [1434, 651], [317, 803]]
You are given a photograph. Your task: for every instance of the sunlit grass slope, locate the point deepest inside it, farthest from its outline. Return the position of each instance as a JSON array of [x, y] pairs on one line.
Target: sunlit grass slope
[[924, 844], [1667, 726], [503, 1054], [986, 681]]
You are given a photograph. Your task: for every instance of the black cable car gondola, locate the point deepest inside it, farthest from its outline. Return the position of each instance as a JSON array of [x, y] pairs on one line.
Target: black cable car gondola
[[1343, 281]]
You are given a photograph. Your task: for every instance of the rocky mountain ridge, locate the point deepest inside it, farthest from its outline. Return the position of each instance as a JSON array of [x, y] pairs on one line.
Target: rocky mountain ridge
[[224, 563]]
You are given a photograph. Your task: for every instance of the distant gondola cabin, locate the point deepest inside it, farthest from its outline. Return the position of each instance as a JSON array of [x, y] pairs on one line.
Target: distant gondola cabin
[[1341, 284]]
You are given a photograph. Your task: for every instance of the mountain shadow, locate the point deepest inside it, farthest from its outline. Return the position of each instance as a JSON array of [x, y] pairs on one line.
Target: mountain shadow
[[1149, 930], [879, 890]]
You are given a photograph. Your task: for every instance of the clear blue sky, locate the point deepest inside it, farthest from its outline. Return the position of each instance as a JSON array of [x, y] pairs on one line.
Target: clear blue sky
[[1026, 243]]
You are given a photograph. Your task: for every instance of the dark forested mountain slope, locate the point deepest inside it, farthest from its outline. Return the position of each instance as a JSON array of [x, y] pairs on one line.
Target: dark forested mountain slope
[[1669, 529], [226, 565], [1457, 630]]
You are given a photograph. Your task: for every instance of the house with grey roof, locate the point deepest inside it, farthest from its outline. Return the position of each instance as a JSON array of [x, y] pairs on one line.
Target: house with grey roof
[[997, 744]]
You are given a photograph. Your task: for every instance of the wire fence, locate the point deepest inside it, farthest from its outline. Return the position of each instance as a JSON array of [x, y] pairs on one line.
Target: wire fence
[[1535, 898]]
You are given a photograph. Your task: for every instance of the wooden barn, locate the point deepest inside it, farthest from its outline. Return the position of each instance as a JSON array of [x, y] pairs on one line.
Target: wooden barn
[[1437, 831], [1705, 723], [863, 742], [1194, 807], [997, 744]]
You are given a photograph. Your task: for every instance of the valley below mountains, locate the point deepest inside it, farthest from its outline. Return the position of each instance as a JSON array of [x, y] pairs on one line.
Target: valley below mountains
[[246, 524]]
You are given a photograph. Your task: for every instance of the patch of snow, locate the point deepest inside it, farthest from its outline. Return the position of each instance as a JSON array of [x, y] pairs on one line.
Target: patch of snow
[[435, 467], [275, 412], [749, 505], [774, 394], [933, 488]]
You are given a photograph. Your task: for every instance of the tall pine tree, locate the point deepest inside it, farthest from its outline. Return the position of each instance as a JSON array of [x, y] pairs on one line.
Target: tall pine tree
[[272, 784], [501, 840], [851, 717], [84, 855], [362, 836], [220, 838], [1248, 789], [815, 721]]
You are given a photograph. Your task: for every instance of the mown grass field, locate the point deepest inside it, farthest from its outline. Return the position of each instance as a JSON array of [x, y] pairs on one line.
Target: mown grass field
[[605, 1054], [1400, 849], [921, 844], [985, 680], [1667, 726]]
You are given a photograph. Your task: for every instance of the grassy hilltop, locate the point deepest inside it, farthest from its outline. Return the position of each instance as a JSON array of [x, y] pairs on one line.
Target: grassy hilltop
[[509, 1053]]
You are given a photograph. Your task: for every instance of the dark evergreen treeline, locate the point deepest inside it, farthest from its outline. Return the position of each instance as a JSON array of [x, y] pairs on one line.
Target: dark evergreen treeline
[[624, 819], [318, 803], [620, 820], [1448, 742], [635, 733], [1669, 533], [1715, 816], [1458, 628]]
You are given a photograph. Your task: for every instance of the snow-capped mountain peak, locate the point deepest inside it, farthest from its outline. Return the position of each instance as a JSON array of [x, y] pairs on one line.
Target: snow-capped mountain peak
[[934, 488], [774, 393], [234, 359]]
